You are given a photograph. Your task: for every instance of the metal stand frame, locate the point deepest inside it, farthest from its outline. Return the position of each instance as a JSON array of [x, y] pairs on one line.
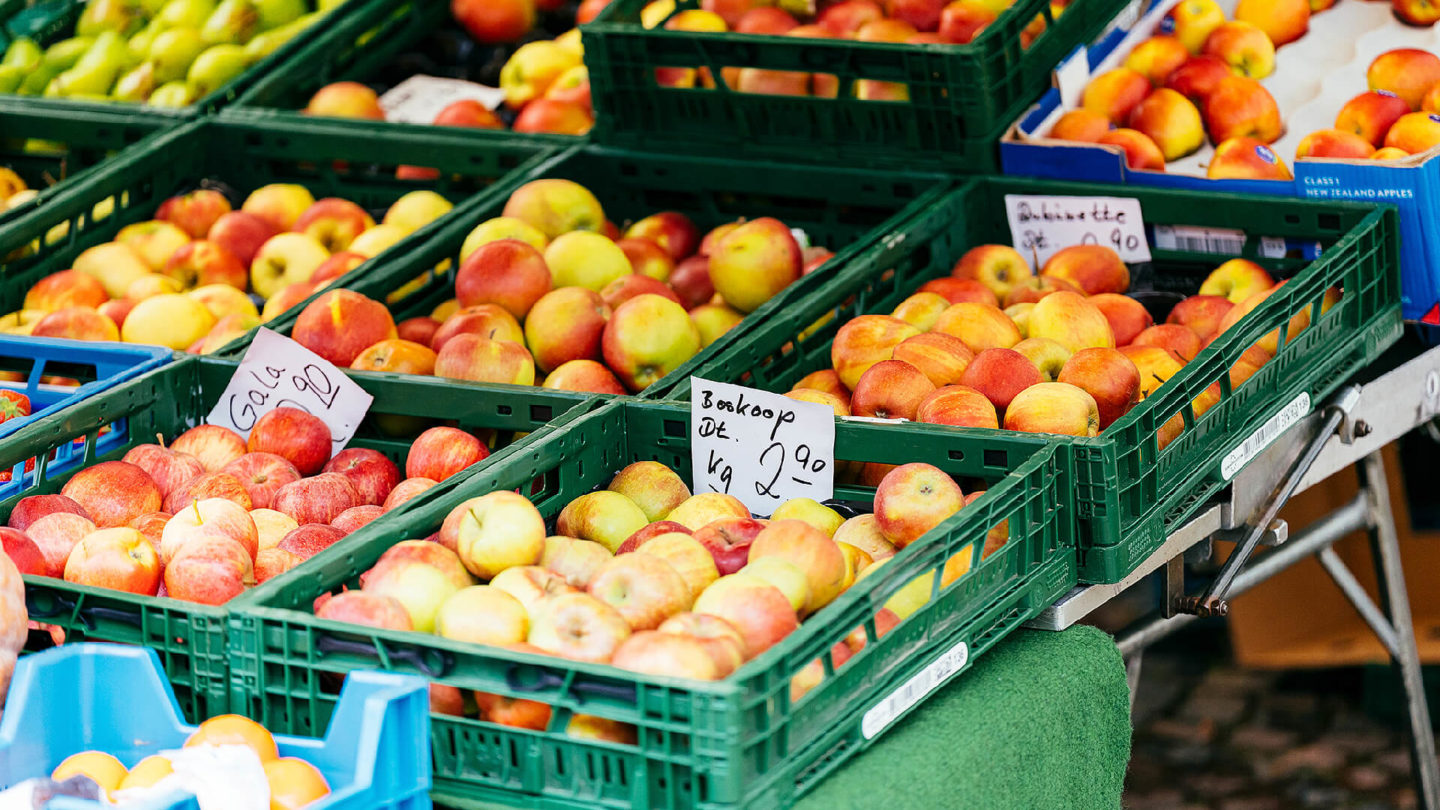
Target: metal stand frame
[[1351, 429]]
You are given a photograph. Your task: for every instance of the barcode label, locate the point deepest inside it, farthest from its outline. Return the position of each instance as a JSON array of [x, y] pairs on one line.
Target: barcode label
[[1199, 240], [914, 690], [1236, 459]]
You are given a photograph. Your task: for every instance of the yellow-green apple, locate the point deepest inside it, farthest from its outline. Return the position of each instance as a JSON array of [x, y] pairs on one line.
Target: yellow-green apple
[[195, 212], [405, 491], [1032, 289], [1197, 77], [962, 20], [1085, 126], [1283, 21], [23, 552], [508, 273], [271, 526], [1178, 339], [1244, 47], [1115, 93], [573, 559], [1171, 121], [416, 209], [1236, 280], [377, 240], [1094, 269], [262, 475], [573, 88], [566, 324], [855, 562], [605, 517], [333, 222], [1270, 342], [1156, 365], [481, 614], [651, 486], [356, 517], [668, 654], [214, 445], [441, 452], [531, 585], [318, 499], [961, 290], [890, 389], [113, 493], [1370, 115], [940, 357], [849, 16], [285, 259], [345, 100], [1406, 72], [487, 320], [369, 609], [1334, 143], [67, 288], [209, 571], [1157, 57], [167, 468], [728, 540], [1019, 314], [113, 264], [999, 375], [921, 310], [714, 320], [397, 356], [493, 230], [479, 359], [500, 530], [756, 608], [754, 262], [912, 499], [153, 241], [241, 233], [696, 511], [810, 511], [671, 230], [645, 589], [1202, 313], [56, 534], [1246, 159], [1193, 20], [116, 310], [555, 207], [628, 286], [998, 267], [863, 532], [646, 338], [840, 406], [958, 405], [1054, 408], [1046, 355], [212, 517], [585, 259], [77, 323], [534, 66], [223, 299], [514, 712], [151, 285], [647, 258], [33, 507], [691, 281], [1241, 107], [1109, 377], [280, 204], [118, 558], [1414, 132], [1127, 317], [310, 539], [369, 470], [584, 375], [579, 627], [421, 575], [1072, 321], [978, 326]]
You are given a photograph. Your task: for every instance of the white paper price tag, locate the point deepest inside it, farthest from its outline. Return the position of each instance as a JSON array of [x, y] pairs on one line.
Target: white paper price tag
[[1041, 226], [418, 99], [762, 448], [278, 372]]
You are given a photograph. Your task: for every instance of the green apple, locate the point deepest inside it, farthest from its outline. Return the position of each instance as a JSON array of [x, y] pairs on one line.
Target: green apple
[[23, 53], [186, 13], [137, 84], [216, 66], [268, 42], [64, 54], [275, 13], [173, 52], [232, 22], [172, 94], [124, 17]]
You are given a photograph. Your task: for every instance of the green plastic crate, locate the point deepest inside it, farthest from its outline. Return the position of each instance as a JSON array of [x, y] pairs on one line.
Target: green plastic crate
[[1130, 494], [962, 97], [736, 742], [47, 150], [355, 160], [371, 46], [842, 209], [190, 638]]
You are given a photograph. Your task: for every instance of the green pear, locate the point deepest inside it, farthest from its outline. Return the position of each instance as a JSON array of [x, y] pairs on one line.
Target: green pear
[[268, 42], [186, 13], [216, 66], [35, 83], [141, 42], [150, 8], [172, 94], [232, 22], [97, 69], [124, 17], [23, 53], [329, 5], [275, 13], [64, 54], [10, 78], [137, 84], [173, 52]]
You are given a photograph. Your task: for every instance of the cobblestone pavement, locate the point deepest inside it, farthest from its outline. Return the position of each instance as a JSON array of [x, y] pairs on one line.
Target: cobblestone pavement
[[1211, 736]]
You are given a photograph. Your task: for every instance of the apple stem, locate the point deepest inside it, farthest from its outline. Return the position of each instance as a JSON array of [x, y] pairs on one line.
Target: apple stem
[[160, 439], [195, 504]]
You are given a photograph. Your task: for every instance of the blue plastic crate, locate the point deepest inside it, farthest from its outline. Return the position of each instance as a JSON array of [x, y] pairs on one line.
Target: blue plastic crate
[[101, 366], [114, 698]]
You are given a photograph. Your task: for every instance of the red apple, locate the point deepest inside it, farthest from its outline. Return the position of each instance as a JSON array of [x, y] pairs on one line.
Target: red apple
[[209, 485], [370, 471], [728, 541], [209, 570], [441, 452], [118, 558], [316, 500], [114, 493], [310, 539], [405, 490], [262, 475], [55, 535], [24, 553], [214, 445], [295, 435], [33, 507]]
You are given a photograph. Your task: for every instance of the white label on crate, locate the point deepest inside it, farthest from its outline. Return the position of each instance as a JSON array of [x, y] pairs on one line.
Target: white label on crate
[[763, 448], [914, 690], [418, 99], [278, 372], [1229, 241], [1071, 77], [1041, 226], [1236, 459], [1272, 247]]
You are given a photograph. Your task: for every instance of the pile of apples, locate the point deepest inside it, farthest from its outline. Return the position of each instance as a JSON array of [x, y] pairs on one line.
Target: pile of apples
[[293, 783], [1399, 116], [180, 280], [1048, 362], [552, 288], [929, 22], [214, 514], [166, 53], [646, 577]]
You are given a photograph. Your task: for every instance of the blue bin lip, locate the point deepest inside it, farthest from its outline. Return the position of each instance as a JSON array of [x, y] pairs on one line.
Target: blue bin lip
[[114, 362]]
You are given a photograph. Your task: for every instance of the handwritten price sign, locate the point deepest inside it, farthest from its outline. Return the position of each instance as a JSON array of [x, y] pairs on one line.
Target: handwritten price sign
[[418, 99], [277, 372], [1042, 226], [762, 448]]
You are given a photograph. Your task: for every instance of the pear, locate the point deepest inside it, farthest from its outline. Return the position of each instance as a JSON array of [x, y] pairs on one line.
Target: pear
[[10, 78], [137, 84], [23, 53], [232, 22], [95, 72], [216, 66], [186, 13], [141, 42], [35, 83], [329, 5], [124, 17], [150, 8], [64, 54], [268, 42], [173, 52], [172, 94], [275, 13]]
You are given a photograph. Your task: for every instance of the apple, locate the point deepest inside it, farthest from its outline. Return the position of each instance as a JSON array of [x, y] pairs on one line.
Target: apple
[[1244, 47], [1197, 77], [1283, 21], [195, 213], [1178, 339], [241, 234], [849, 16], [1072, 321], [1156, 365], [1046, 355], [691, 281], [1094, 269], [33, 507], [1031, 290], [686, 555], [1236, 280], [1127, 317], [1171, 121], [117, 558], [372, 474], [1416, 12], [167, 468], [721, 640], [295, 435], [214, 445], [1082, 125], [209, 485], [1246, 159], [441, 452], [340, 324], [285, 259], [809, 511], [499, 530], [406, 490], [1203, 313], [1115, 93], [1270, 343], [487, 320], [24, 553], [56, 534], [417, 330], [1241, 107], [1370, 115], [357, 517], [654, 653], [1334, 143], [151, 285], [864, 341], [961, 290], [713, 321], [912, 499], [998, 375], [652, 486], [472, 357], [76, 323], [998, 267], [212, 517], [626, 287], [647, 258], [271, 526], [508, 273], [890, 389], [1406, 72], [962, 20], [579, 627], [1193, 20], [289, 296], [863, 532], [573, 89], [695, 512], [369, 609], [605, 517], [1414, 132], [646, 338], [116, 310], [1157, 57], [344, 100], [826, 380], [531, 585], [1109, 377], [649, 531], [574, 560], [809, 550], [397, 357], [753, 606], [643, 588], [978, 326], [583, 375], [958, 405], [555, 206], [566, 324], [208, 570], [67, 288], [113, 493], [310, 539], [113, 264], [493, 230], [171, 320], [153, 241], [754, 262], [1054, 408], [921, 310], [481, 614], [421, 575]]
